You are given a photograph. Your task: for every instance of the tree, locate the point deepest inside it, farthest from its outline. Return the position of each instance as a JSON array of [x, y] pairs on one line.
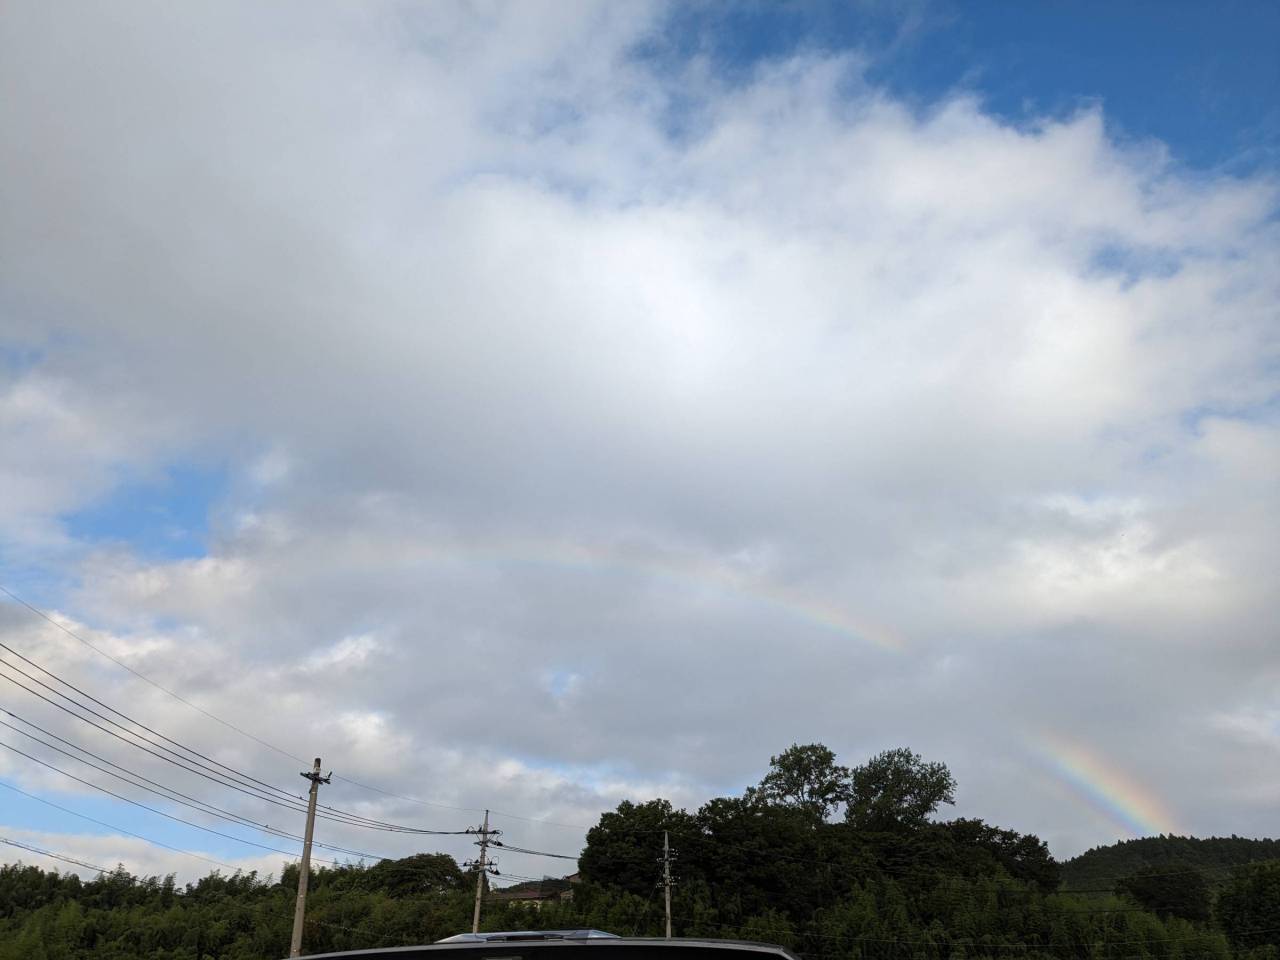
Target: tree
[[756, 855], [622, 849], [418, 875], [1171, 890], [1023, 856], [897, 790], [806, 777], [1249, 905]]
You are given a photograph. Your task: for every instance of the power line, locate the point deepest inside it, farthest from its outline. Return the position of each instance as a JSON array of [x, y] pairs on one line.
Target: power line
[[549, 823], [518, 878], [109, 826], [168, 793], [226, 723], [293, 801], [381, 937], [106, 706], [90, 753], [117, 736], [231, 726], [82, 863], [508, 848], [143, 677], [342, 818], [169, 816], [50, 853], [401, 796]]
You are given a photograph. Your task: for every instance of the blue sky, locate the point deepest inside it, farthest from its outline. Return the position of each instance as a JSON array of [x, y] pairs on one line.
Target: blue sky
[[162, 517], [1202, 78], [305, 362]]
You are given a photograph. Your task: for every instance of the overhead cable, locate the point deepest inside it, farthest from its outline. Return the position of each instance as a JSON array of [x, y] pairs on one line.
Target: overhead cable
[[169, 816], [110, 826], [533, 853], [144, 678], [250, 786], [55, 856], [182, 799], [212, 716]]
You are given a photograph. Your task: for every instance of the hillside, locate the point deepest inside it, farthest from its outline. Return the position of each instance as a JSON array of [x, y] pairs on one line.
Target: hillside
[[1101, 867]]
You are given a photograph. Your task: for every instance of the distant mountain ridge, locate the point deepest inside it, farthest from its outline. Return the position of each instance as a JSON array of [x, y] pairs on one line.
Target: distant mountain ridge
[[1101, 867]]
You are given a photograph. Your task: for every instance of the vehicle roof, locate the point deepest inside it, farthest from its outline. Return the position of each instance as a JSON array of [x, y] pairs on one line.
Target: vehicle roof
[[529, 935], [598, 948]]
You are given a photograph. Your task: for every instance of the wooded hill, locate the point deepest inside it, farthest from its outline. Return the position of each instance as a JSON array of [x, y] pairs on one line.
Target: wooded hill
[[1216, 857]]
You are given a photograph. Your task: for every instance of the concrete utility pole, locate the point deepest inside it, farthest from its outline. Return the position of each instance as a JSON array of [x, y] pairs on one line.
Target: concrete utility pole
[[300, 911], [666, 876], [482, 867]]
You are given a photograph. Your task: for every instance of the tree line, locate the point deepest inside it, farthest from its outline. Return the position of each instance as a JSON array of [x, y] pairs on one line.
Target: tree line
[[834, 863]]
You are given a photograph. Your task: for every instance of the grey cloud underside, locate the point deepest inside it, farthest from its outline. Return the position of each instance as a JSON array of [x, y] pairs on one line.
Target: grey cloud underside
[[572, 461]]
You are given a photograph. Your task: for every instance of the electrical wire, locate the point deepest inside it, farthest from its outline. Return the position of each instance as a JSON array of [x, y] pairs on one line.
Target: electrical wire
[[109, 826], [532, 853], [56, 856], [294, 802], [517, 878], [226, 723], [66, 683], [144, 678], [90, 753], [169, 816], [299, 809], [182, 799]]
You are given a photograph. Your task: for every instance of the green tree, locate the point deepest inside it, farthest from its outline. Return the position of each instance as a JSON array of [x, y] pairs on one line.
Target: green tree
[[806, 777], [897, 790], [756, 856], [1249, 906], [418, 875], [623, 847], [1174, 890], [975, 845]]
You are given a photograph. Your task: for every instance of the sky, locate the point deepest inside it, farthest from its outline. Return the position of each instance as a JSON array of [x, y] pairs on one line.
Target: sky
[[534, 406]]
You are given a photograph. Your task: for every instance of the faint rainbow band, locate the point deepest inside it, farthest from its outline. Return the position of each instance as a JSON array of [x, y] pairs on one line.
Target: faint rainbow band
[[577, 556], [1115, 794]]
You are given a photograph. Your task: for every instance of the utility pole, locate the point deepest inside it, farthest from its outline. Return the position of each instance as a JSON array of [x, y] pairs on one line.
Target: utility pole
[[299, 912], [482, 865], [666, 876]]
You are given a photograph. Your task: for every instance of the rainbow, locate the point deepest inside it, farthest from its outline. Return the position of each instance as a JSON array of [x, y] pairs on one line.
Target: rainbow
[[682, 569], [1133, 807]]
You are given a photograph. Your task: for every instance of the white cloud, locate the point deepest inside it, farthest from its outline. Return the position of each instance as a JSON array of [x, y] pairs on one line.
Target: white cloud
[[140, 858], [347, 653], [516, 386]]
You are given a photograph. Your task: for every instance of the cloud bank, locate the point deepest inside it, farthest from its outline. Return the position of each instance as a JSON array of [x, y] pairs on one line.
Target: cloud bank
[[595, 426]]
